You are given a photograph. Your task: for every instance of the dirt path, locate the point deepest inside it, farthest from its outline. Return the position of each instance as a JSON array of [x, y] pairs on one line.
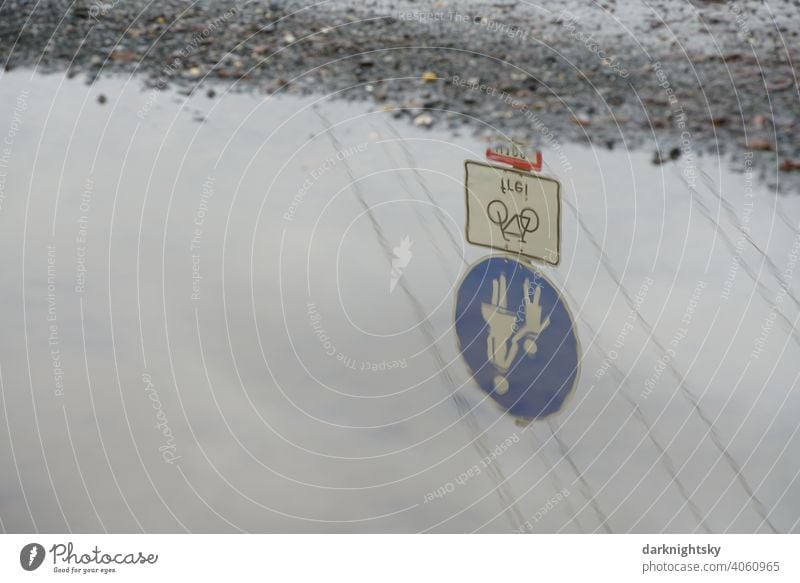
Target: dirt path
[[691, 77]]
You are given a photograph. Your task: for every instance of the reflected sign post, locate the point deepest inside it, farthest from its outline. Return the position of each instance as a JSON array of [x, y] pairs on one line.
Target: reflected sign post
[[514, 329]]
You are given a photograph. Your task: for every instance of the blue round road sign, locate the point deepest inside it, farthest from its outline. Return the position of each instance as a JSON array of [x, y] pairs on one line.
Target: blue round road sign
[[517, 337]]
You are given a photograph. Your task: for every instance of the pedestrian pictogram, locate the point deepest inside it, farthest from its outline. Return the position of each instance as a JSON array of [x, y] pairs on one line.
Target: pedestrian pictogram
[[517, 336]]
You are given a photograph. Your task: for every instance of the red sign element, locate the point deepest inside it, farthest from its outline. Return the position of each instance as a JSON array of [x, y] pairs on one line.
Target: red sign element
[[519, 163]]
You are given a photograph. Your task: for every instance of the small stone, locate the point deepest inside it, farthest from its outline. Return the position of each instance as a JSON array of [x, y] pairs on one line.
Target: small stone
[[124, 56], [423, 120], [759, 144]]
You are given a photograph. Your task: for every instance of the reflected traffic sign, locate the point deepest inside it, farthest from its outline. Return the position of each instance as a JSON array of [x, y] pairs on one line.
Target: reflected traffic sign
[[517, 336], [513, 210]]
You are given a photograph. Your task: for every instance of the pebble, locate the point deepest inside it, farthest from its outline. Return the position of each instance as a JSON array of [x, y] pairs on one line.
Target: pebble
[[424, 120], [759, 144]]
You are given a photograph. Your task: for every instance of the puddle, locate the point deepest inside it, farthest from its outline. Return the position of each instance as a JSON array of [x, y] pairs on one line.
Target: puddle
[[205, 329]]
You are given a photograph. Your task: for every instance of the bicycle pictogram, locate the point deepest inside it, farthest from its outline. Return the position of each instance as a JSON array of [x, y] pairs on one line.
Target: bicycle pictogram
[[518, 225]]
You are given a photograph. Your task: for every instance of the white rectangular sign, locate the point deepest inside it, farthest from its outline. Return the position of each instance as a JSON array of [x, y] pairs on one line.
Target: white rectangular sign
[[513, 210]]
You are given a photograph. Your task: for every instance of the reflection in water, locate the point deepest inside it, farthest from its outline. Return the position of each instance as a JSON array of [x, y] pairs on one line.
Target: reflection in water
[[209, 327], [517, 337]]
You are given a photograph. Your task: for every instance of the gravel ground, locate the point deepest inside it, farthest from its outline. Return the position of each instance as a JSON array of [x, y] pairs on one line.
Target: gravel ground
[[679, 78]]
